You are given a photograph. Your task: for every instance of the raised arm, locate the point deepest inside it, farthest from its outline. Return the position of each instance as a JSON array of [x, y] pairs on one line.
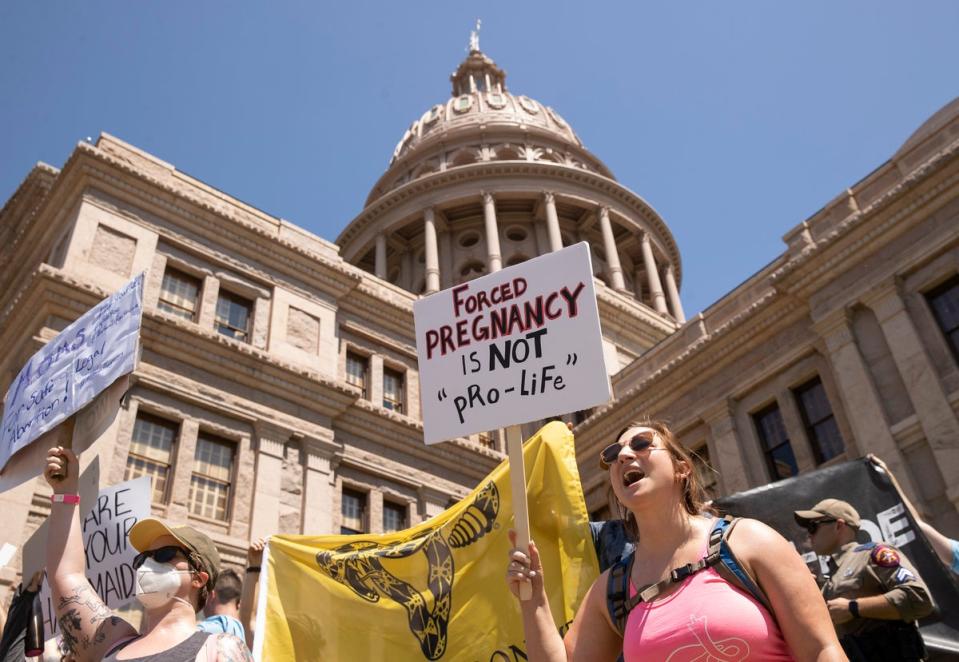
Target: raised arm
[[251, 583], [797, 604], [590, 637], [88, 627]]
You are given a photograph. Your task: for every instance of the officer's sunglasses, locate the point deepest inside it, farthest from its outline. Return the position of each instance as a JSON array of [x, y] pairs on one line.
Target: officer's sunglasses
[[161, 555], [640, 443], [812, 527]]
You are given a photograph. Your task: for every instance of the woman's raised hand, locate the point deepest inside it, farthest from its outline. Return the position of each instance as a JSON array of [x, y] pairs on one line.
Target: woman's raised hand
[[62, 470], [523, 567]]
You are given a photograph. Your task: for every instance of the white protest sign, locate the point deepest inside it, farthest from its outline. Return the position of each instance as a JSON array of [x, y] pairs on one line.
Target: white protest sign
[[70, 370], [106, 544], [517, 345]]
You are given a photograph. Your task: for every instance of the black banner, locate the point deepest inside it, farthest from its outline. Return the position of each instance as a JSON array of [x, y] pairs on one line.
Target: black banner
[[884, 518]]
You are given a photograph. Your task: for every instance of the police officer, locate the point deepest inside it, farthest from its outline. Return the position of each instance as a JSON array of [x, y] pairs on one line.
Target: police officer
[[874, 593]]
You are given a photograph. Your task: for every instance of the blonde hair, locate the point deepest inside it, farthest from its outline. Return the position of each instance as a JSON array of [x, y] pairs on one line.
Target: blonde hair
[[694, 499]]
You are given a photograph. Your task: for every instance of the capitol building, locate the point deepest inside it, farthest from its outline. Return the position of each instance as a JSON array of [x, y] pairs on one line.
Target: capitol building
[[278, 388]]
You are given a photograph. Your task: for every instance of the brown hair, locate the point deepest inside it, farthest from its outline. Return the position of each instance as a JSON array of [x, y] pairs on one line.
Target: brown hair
[[694, 499], [228, 587]]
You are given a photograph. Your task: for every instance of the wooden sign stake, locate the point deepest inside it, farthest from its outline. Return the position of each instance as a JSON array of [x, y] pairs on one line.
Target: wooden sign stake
[[517, 472]]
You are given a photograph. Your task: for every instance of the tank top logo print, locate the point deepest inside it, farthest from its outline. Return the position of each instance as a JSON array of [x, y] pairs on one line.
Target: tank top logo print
[[706, 649]]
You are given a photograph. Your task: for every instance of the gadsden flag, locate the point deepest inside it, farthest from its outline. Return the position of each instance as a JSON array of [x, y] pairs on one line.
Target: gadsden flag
[[436, 591]]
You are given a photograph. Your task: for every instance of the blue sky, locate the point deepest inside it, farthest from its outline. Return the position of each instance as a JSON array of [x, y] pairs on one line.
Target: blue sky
[[735, 120]]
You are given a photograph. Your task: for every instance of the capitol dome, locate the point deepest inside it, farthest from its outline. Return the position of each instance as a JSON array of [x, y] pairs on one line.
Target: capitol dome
[[488, 179]]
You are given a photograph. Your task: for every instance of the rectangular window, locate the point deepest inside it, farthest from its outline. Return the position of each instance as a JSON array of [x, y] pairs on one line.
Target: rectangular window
[[394, 517], [179, 294], [704, 471], [233, 316], [820, 423], [357, 369], [151, 453], [212, 475], [775, 441], [393, 390], [353, 511], [944, 301]]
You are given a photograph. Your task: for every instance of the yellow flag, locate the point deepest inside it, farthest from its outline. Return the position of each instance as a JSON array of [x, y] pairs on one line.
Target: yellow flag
[[436, 591]]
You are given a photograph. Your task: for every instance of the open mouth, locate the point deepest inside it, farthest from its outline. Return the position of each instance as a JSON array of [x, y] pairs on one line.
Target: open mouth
[[632, 477]]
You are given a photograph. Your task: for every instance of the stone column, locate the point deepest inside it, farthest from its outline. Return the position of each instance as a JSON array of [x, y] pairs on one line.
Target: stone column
[[446, 258], [375, 389], [432, 252], [652, 275], [638, 283], [860, 399], [673, 292], [552, 223], [936, 416], [729, 459], [318, 484], [406, 270], [494, 258], [208, 299], [267, 480], [182, 473], [379, 268], [260, 330], [612, 255]]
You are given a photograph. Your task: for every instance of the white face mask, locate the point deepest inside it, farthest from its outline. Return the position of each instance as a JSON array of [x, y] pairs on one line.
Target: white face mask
[[158, 583]]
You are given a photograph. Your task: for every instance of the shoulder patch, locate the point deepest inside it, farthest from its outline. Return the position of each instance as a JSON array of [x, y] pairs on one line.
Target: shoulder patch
[[885, 556], [863, 547], [904, 575]]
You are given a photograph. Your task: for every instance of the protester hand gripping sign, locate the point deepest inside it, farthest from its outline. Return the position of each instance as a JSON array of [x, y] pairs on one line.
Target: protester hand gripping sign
[[518, 345], [70, 371]]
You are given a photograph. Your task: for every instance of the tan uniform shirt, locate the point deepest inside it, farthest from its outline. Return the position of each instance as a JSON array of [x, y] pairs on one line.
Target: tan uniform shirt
[[877, 569]]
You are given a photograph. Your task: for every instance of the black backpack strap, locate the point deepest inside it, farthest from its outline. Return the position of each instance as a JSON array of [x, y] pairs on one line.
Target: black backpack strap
[[729, 567], [617, 592]]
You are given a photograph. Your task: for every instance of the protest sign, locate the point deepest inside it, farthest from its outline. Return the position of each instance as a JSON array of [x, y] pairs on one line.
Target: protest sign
[[106, 544], [884, 519], [72, 369], [518, 345]]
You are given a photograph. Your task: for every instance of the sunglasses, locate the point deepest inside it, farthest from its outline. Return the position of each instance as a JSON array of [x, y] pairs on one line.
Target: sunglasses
[[161, 555], [812, 527], [640, 443]]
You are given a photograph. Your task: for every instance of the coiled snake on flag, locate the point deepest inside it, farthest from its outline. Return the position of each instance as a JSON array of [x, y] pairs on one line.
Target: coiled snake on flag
[[358, 566]]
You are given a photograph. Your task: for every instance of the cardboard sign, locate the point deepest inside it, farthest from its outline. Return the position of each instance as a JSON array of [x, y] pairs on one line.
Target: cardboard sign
[[106, 543], [69, 372], [518, 345]]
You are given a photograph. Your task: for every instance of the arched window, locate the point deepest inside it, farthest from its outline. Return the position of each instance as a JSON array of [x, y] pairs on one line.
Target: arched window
[[516, 259], [462, 157], [470, 270]]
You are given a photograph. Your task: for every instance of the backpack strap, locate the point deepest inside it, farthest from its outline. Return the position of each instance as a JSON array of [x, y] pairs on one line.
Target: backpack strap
[[617, 592], [729, 567], [618, 600]]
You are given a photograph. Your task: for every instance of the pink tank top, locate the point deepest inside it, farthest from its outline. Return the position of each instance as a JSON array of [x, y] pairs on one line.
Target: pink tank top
[[706, 619]]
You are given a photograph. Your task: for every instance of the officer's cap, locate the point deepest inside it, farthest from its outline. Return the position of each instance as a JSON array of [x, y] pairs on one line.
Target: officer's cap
[[829, 509]]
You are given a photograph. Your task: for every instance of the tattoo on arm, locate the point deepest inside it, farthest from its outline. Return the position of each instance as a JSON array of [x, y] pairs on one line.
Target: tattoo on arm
[[230, 649], [84, 619]]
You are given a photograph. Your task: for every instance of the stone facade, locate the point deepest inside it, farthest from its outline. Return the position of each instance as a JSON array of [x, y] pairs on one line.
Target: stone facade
[[281, 367]]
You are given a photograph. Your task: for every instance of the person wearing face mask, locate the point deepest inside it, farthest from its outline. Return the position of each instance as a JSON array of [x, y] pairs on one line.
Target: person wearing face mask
[[680, 607], [175, 569]]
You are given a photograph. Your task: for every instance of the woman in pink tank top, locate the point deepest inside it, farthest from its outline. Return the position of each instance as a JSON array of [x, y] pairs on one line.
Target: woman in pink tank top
[[702, 617]]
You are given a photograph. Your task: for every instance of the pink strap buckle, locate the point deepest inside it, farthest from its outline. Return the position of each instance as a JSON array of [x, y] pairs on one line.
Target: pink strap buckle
[[65, 498]]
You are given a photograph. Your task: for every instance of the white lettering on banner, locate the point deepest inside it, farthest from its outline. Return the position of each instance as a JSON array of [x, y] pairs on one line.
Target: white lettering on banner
[[106, 544], [70, 370], [518, 345]]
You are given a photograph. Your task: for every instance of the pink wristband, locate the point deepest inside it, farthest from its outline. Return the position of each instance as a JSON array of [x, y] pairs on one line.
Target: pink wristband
[[65, 498]]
